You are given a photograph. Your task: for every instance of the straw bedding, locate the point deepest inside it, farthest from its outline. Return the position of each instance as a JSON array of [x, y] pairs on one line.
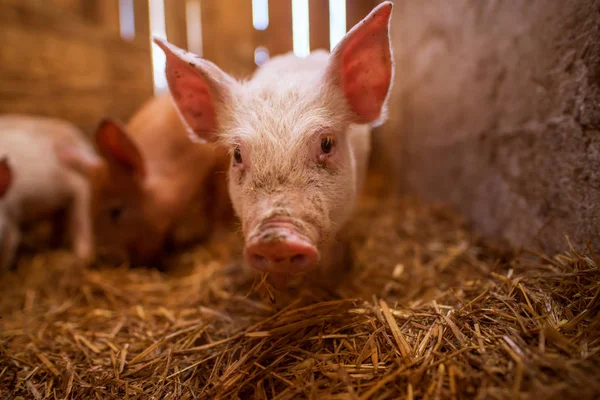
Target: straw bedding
[[428, 311]]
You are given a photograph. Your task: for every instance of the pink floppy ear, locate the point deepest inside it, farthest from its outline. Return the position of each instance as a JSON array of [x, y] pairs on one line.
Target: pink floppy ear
[[361, 65], [198, 88], [115, 146], [6, 176]]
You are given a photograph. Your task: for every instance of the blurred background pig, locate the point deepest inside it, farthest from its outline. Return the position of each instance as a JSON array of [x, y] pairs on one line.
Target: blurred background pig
[[35, 185], [152, 186], [300, 142]]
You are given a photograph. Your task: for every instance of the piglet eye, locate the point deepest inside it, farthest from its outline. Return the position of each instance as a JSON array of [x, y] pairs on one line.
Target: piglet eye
[[237, 155], [327, 144], [115, 213]]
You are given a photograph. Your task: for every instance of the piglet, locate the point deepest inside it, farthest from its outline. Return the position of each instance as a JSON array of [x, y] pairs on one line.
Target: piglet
[[299, 132], [35, 185], [152, 187]]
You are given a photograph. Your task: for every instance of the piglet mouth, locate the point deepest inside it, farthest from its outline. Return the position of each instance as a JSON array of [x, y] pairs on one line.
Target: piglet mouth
[[279, 247]]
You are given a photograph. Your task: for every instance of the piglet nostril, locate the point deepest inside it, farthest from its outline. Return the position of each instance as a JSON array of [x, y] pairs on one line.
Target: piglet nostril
[[298, 261], [292, 255], [259, 261]]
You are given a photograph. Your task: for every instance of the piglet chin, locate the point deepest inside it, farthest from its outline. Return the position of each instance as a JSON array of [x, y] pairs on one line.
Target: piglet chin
[[279, 281]]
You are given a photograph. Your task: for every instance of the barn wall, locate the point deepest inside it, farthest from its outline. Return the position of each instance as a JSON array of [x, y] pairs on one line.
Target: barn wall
[[59, 63], [496, 109]]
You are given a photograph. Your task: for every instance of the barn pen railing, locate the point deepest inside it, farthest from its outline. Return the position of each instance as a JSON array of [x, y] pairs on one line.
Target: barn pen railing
[[235, 34]]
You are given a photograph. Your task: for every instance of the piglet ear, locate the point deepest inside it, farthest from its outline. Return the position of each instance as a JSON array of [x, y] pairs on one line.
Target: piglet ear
[[361, 66], [115, 145], [6, 176], [198, 88]]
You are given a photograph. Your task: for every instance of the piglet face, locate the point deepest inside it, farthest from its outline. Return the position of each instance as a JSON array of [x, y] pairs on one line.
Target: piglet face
[[292, 182], [126, 227], [123, 229]]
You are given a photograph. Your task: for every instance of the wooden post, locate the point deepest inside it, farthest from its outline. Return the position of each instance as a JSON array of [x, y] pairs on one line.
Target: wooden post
[[175, 22], [141, 15], [229, 39], [319, 24], [278, 36]]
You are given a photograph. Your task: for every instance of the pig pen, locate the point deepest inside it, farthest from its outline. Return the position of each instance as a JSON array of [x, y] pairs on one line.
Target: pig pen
[[430, 309]]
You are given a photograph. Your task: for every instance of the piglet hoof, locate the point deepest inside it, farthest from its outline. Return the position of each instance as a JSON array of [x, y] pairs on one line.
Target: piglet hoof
[[85, 256]]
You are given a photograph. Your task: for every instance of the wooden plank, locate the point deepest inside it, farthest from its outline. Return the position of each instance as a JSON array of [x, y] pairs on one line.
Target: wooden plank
[[141, 15], [74, 6], [279, 36], [175, 22], [319, 24], [57, 65], [229, 39]]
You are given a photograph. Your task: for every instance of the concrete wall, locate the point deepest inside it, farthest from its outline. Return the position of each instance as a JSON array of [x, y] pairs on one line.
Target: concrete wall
[[496, 109]]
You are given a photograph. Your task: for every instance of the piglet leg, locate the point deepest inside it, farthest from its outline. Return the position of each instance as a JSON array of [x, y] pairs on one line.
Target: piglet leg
[[8, 249], [80, 224]]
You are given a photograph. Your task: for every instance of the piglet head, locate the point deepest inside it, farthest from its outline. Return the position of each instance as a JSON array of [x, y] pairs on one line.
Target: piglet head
[[6, 176], [124, 227], [292, 178]]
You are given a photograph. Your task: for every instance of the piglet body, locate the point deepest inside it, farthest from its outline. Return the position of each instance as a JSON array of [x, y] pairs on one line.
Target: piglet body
[[299, 131], [153, 187], [40, 185]]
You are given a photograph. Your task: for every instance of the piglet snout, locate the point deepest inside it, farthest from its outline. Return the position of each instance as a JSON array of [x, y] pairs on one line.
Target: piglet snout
[[282, 251]]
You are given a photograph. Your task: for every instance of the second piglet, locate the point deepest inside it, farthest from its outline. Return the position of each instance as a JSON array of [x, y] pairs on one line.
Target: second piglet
[[299, 133], [152, 186], [35, 185]]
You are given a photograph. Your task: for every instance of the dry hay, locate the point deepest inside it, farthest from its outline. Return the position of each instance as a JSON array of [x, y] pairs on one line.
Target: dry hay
[[430, 311]]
